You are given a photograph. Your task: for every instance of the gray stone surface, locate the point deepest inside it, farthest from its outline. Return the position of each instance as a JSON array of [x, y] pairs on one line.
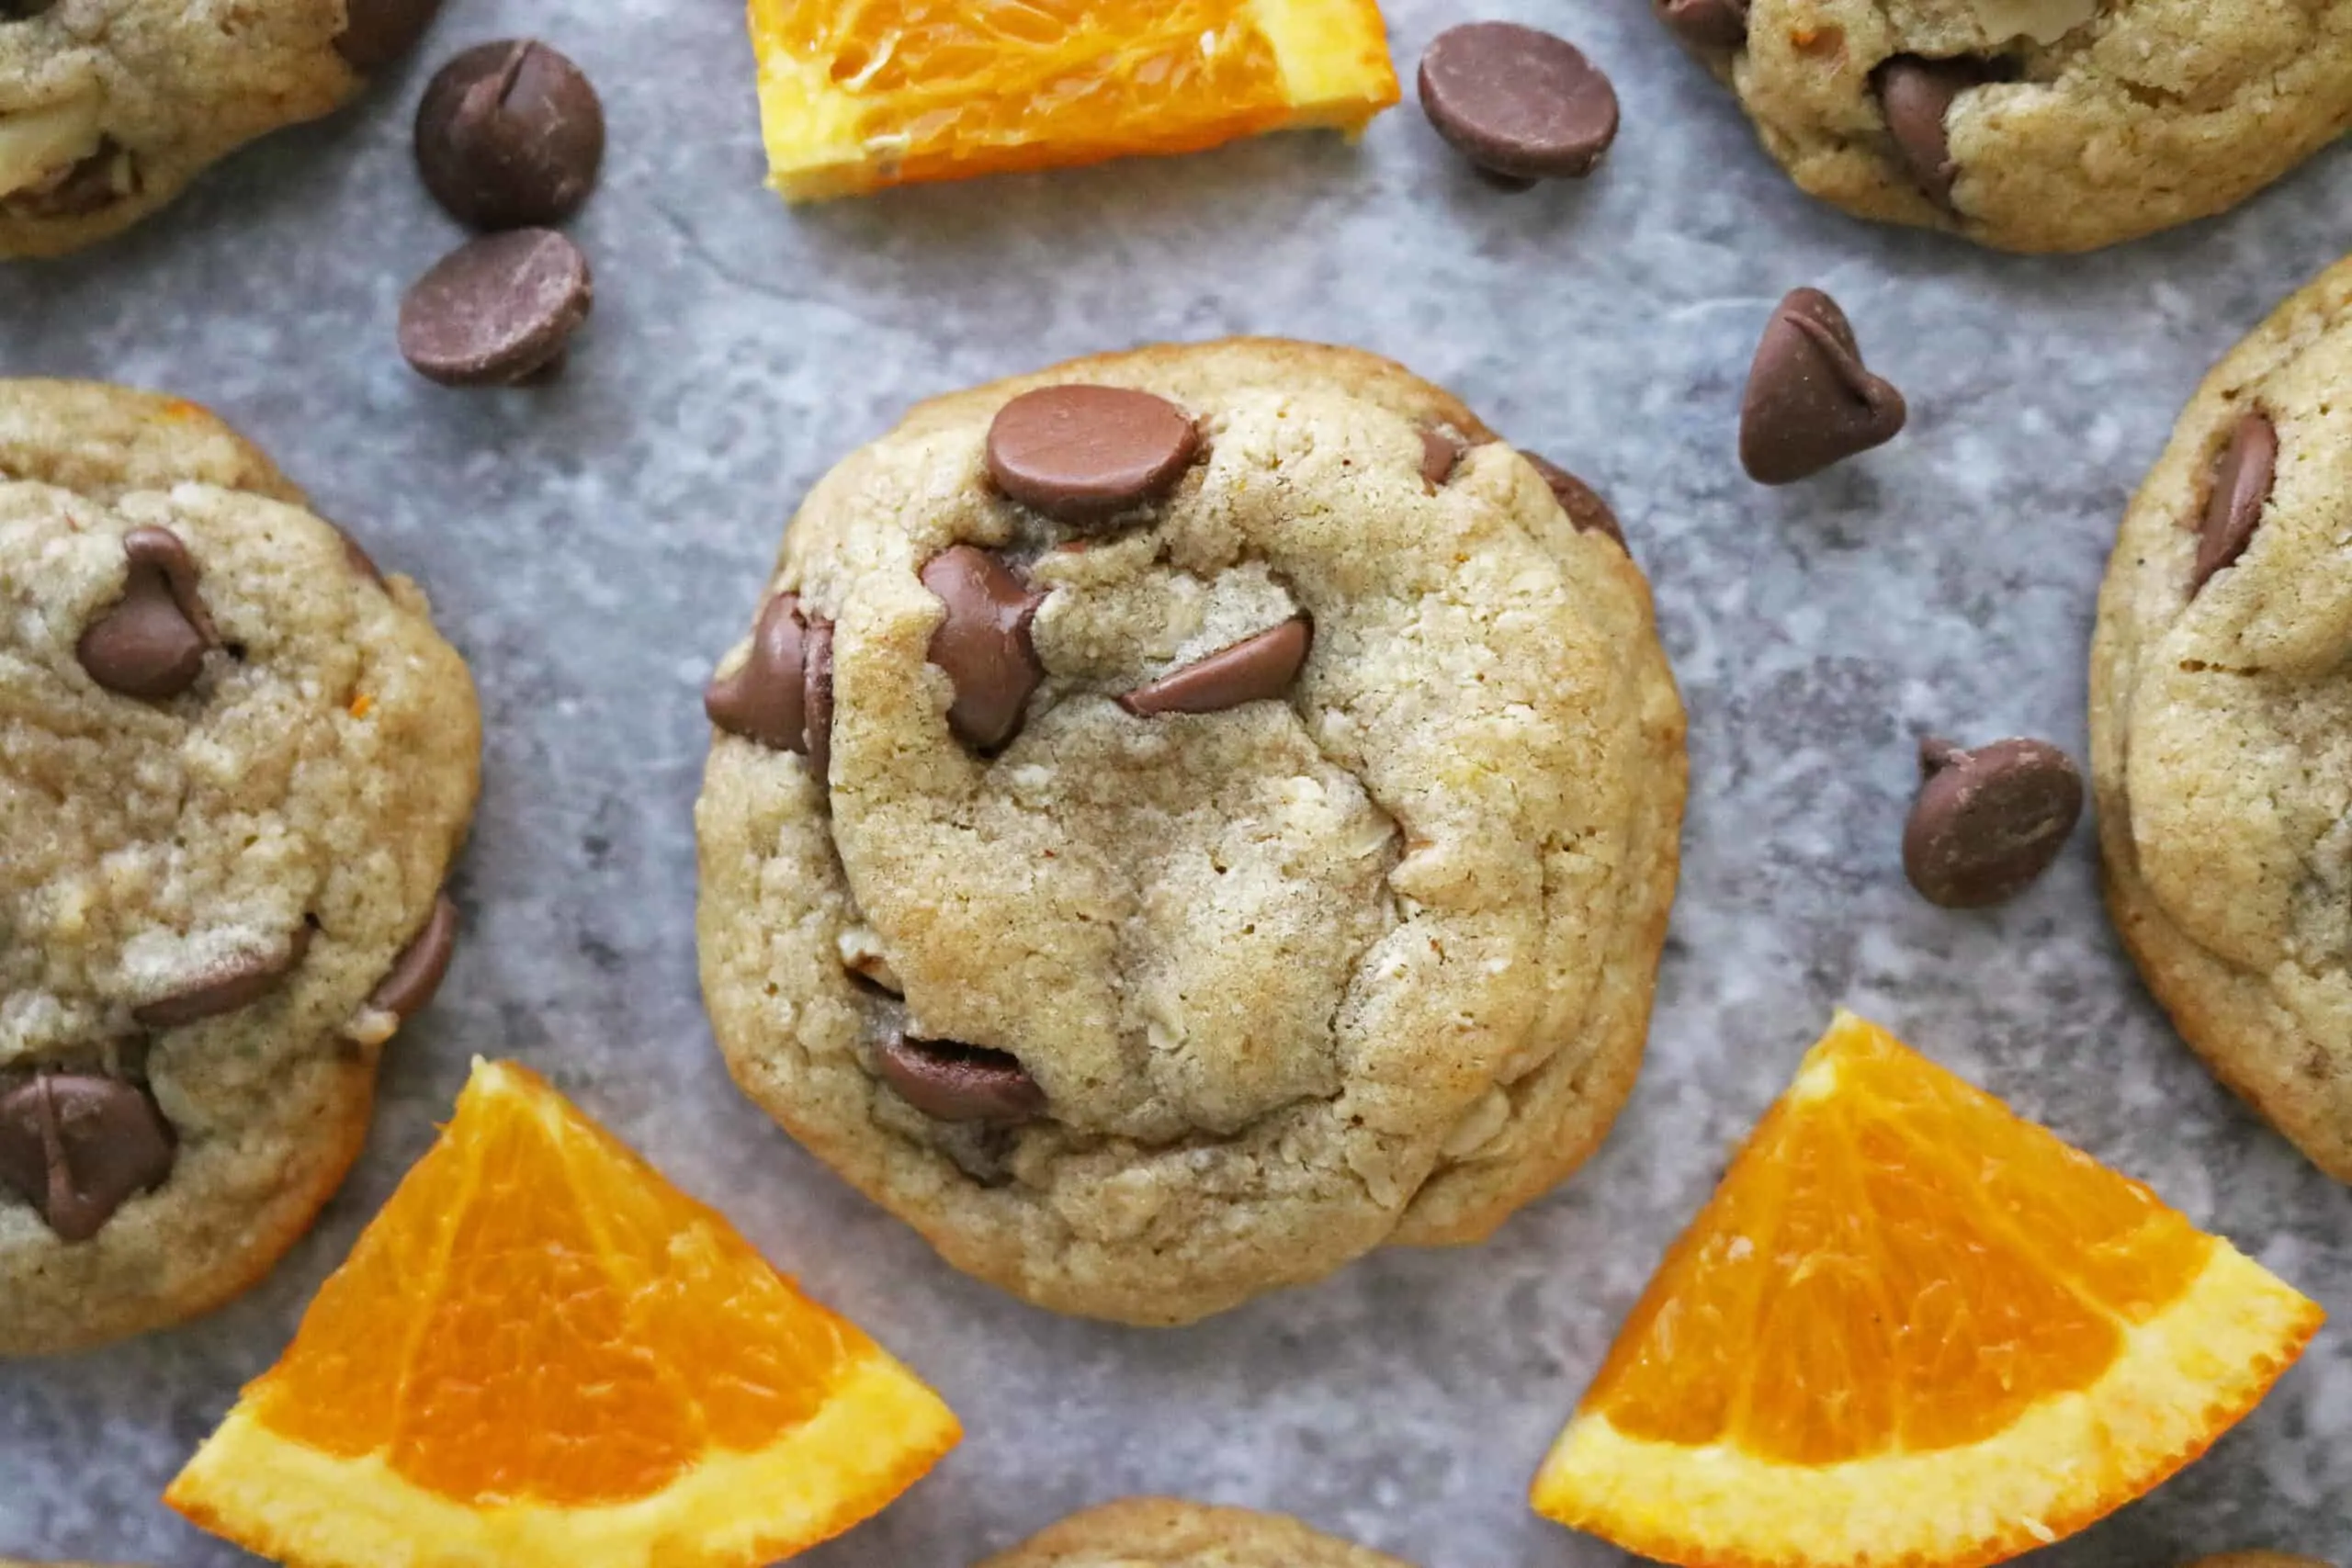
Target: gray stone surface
[[594, 545]]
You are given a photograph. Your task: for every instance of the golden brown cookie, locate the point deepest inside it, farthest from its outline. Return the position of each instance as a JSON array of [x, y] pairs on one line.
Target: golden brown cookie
[[1250, 846], [109, 108], [2032, 125], [236, 764], [2222, 722]]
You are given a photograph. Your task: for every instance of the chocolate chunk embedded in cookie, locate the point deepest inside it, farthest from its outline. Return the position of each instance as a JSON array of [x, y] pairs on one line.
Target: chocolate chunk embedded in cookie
[[2222, 722], [1247, 837], [2031, 125], [109, 107], [234, 768]]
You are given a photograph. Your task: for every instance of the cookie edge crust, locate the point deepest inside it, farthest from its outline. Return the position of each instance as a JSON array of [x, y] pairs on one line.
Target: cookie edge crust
[[2223, 1013], [1582, 1092]]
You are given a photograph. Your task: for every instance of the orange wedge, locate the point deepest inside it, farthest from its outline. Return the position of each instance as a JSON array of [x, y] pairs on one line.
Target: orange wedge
[[860, 93], [543, 1354], [1912, 1329]]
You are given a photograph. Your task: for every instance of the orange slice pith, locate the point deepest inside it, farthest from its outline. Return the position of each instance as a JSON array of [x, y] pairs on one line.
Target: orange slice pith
[[541, 1353], [860, 93], [1913, 1328]]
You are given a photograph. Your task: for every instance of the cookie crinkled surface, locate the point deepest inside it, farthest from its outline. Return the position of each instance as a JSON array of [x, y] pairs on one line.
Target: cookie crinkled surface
[[109, 107], [1140, 1008], [235, 765], [2033, 125], [2222, 722]]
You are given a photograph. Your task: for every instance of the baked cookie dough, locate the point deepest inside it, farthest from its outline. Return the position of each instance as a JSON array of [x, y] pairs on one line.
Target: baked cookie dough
[[236, 764], [109, 108], [2032, 125], [1158, 1532], [2222, 722], [1189, 817]]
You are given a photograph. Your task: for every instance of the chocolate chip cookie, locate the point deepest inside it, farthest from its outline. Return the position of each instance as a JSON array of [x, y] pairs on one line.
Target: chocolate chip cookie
[[235, 763], [1189, 817], [2032, 125], [2222, 722], [109, 108], [1159, 1532]]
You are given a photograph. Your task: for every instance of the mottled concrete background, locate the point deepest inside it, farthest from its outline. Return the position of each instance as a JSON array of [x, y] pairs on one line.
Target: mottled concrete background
[[594, 545]]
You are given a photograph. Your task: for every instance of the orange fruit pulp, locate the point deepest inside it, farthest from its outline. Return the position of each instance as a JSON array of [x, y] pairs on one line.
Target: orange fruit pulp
[[858, 94], [540, 1352], [1912, 1327]]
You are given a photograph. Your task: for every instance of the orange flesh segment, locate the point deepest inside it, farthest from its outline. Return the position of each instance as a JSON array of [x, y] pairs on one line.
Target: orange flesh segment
[[1912, 1329], [857, 93], [542, 1351], [1969, 1270]]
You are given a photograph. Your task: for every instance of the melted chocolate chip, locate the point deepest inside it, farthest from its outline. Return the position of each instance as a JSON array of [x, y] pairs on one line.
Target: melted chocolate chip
[[78, 1146], [377, 32], [1440, 455], [952, 1082], [817, 698], [2241, 483], [417, 974], [1082, 453], [1587, 511], [1708, 24], [238, 982], [1915, 95], [150, 643], [766, 698], [983, 643], [1988, 820], [1252, 669], [1811, 402]]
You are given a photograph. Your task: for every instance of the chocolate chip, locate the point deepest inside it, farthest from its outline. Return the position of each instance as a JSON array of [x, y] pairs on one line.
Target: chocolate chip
[[1710, 24], [377, 32], [150, 643], [1914, 95], [1518, 102], [510, 135], [1989, 820], [106, 175], [1440, 455], [497, 309], [78, 1147], [983, 643], [417, 974], [234, 985], [1587, 511], [782, 694], [952, 1082], [1810, 402], [817, 698], [2241, 486], [1250, 671], [1082, 453], [23, 10]]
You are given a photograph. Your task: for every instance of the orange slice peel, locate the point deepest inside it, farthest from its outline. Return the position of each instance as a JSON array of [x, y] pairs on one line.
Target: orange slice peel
[[540, 1353], [1912, 1329], [856, 94]]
